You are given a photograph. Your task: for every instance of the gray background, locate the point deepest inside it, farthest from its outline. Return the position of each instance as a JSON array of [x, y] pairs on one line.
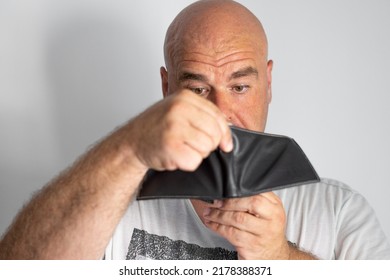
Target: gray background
[[72, 71]]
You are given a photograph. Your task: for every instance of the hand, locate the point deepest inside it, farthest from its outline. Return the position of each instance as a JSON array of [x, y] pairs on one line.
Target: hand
[[179, 132], [254, 225]]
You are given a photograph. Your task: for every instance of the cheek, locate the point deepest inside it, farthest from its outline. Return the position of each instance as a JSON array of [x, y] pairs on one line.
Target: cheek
[[252, 111]]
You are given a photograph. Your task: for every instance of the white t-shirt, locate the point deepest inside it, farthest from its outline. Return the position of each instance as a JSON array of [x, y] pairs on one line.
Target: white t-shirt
[[327, 219]]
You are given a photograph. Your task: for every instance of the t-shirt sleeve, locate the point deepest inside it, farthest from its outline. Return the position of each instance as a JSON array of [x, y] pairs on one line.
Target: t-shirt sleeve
[[359, 233]]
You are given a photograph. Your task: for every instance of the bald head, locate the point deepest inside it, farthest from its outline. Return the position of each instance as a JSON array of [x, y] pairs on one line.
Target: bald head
[[215, 26], [218, 50]]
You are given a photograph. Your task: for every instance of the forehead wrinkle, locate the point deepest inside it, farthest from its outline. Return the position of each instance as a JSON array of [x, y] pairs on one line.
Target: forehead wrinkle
[[213, 64]]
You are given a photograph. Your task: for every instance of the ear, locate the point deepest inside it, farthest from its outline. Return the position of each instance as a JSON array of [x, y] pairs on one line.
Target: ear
[[270, 65], [164, 81]]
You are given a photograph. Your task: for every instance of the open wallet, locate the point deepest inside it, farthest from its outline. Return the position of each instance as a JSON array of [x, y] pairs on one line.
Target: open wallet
[[259, 162]]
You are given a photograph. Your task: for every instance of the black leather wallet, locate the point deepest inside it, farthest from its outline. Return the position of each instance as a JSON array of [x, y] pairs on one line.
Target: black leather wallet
[[259, 162]]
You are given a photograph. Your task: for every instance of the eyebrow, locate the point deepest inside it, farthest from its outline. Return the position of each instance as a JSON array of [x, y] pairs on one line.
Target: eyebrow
[[185, 76], [248, 71]]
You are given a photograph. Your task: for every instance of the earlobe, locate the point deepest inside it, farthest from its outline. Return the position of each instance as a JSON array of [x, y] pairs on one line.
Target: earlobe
[[164, 81]]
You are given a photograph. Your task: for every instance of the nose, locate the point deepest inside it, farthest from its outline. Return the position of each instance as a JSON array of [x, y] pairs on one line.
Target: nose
[[223, 101]]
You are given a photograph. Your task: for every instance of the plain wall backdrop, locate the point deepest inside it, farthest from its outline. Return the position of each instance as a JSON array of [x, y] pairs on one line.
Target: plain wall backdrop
[[72, 71]]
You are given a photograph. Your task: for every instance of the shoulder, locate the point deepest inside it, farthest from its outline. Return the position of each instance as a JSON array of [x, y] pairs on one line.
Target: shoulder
[[324, 186], [328, 184], [326, 194], [335, 185]]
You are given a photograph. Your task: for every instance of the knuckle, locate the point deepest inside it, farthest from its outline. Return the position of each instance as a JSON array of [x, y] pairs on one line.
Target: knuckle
[[231, 231], [176, 105], [254, 200], [239, 217], [255, 204], [168, 144], [191, 164], [204, 145]]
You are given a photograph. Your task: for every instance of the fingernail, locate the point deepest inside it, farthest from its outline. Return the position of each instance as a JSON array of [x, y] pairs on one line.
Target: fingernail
[[228, 146]]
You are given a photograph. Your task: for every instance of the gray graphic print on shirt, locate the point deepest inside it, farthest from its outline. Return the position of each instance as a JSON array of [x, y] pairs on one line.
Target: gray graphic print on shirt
[[144, 245]]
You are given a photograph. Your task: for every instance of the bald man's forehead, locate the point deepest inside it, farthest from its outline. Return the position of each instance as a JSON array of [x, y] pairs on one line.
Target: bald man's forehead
[[217, 54], [217, 59]]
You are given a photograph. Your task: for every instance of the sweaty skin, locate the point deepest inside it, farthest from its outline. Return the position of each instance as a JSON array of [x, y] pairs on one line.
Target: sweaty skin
[[217, 73]]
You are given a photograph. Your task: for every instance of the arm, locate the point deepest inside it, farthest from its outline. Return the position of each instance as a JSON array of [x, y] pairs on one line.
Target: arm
[[74, 216], [297, 254], [255, 226]]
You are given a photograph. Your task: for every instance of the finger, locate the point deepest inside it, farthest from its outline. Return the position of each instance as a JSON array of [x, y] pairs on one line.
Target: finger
[[210, 204], [272, 197], [237, 219], [206, 123], [241, 203], [180, 135], [184, 158], [202, 134], [258, 205], [235, 236], [199, 141], [225, 142], [218, 127]]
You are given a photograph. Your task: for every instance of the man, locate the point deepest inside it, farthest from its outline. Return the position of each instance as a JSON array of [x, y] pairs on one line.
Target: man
[[217, 73]]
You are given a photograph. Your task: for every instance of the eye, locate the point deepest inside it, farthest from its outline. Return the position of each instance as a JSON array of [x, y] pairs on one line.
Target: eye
[[200, 91], [240, 88]]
